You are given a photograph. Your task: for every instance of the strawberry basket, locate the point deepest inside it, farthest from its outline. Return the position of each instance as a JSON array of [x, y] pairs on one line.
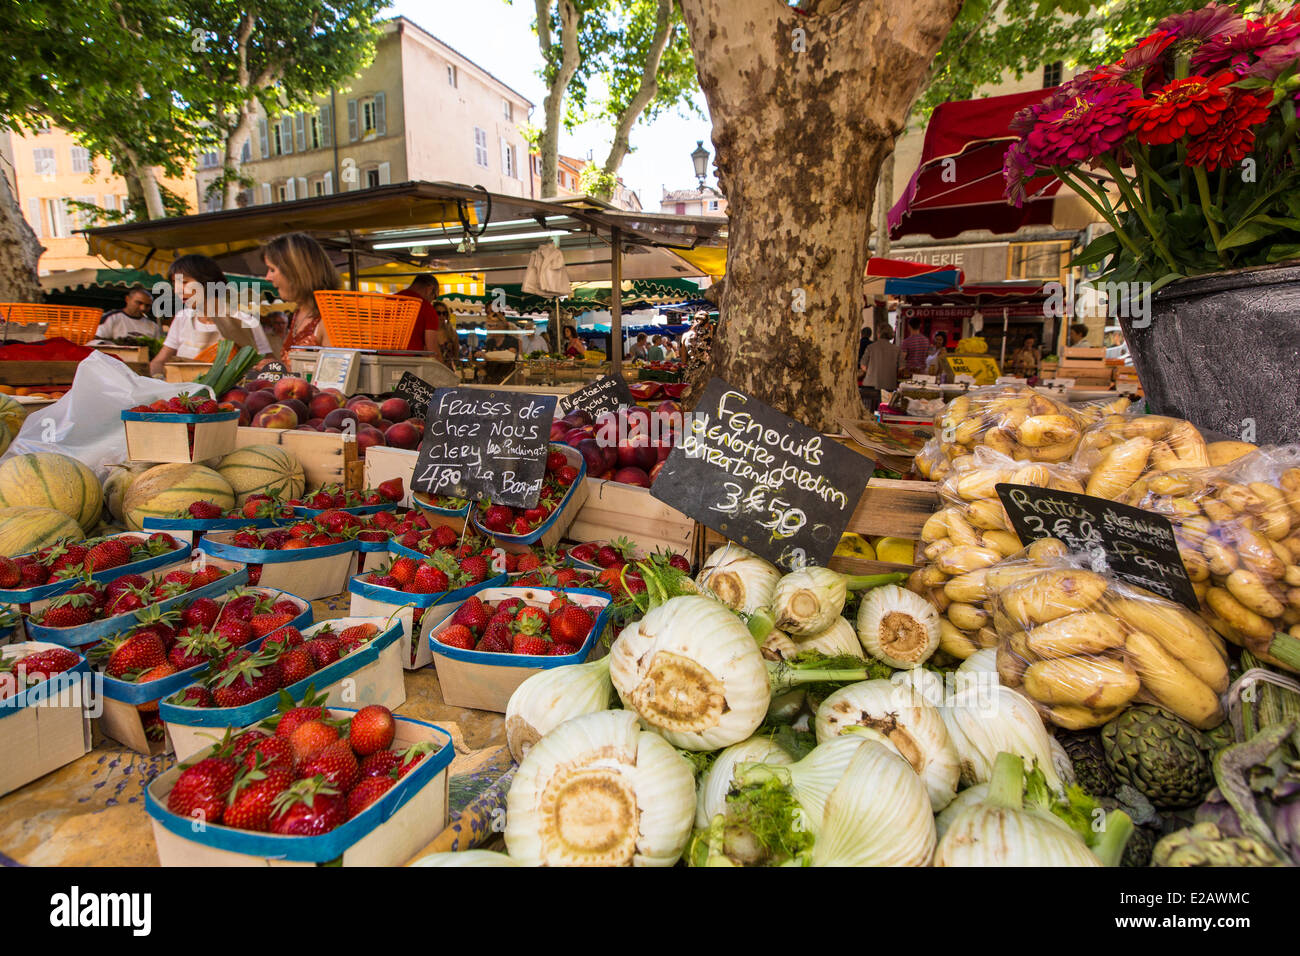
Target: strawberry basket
[[131, 706], [549, 532], [388, 832], [370, 674], [47, 724], [35, 596], [417, 613], [179, 437], [444, 515], [484, 680], [309, 572], [94, 630]]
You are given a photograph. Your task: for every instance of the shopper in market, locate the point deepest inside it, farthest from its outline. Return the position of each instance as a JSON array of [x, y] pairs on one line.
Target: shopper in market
[[429, 333], [574, 347], [498, 337], [934, 360], [133, 318], [206, 315], [879, 368], [1078, 334], [299, 268], [915, 347], [533, 340], [655, 353], [1024, 362], [641, 349]]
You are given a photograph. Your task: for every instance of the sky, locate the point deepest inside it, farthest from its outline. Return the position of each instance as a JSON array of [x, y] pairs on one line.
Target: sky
[[499, 37]]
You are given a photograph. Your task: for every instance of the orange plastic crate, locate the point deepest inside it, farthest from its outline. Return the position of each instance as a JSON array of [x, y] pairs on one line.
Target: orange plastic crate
[[73, 322], [367, 320]]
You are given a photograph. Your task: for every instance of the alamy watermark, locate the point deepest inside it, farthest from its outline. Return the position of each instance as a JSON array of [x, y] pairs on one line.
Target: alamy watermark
[[240, 301], [1126, 300]]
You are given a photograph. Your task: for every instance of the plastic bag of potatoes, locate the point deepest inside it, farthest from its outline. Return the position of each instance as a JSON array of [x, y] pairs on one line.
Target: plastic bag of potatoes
[[1120, 450], [1014, 420], [1084, 646], [1238, 531], [971, 530]]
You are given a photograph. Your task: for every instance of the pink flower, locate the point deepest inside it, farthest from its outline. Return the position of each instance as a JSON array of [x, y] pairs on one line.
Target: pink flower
[[1236, 50], [1017, 170], [1210, 21], [1094, 121], [1274, 61], [1144, 63]]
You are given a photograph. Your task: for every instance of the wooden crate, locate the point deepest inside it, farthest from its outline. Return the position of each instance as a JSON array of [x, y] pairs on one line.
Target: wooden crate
[[615, 510], [327, 458], [185, 371], [23, 373], [382, 463], [127, 353]]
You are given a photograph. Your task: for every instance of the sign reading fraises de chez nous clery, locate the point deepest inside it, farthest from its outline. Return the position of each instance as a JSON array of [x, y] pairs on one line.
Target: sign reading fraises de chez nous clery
[[485, 445], [762, 479]]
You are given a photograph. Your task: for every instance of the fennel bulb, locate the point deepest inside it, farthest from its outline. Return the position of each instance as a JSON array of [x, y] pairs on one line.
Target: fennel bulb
[[738, 578], [852, 801], [985, 719], [1002, 830], [898, 626], [599, 791], [466, 858], [902, 715], [718, 780], [550, 697], [837, 639], [983, 661], [807, 601]]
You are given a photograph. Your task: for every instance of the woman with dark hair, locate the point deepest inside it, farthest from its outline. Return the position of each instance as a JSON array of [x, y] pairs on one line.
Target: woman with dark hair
[[574, 347], [298, 268], [206, 303]]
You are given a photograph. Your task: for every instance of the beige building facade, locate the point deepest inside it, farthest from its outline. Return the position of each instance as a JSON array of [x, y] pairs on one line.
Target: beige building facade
[[49, 171], [693, 202], [420, 111]]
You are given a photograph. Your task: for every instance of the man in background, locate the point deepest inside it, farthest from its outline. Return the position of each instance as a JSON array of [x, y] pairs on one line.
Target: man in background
[[1078, 334], [915, 347], [133, 318], [429, 334], [879, 366]]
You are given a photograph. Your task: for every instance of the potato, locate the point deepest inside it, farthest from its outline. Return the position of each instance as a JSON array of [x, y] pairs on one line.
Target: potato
[[1247, 588], [1119, 468], [1084, 632], [1238, 617], [967, 617], [1096, 682], [1222, 452], [1040, 430], [1052, 594]]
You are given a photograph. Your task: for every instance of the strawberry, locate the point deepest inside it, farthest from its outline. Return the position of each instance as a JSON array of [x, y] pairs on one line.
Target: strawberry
[[264, 624], [160, 543], [311, 736], [131, 599], [563, 650], [308, 808], [292, 717], [201, 613], [108, 554], [356, 635], [69, 610], [194, 697], [528, 562], [236, 632], [570, 624], [287, 636], [33, 573], [247, 680], [125, 582], [254, 573], [241, 742], [200, 791], [457, 635], [67, 558], [324, 649], [521, 526], [252, 796], [403, 569], [383, 520], [473, 614], [53, 661], [371, 729], [391, 490], [496, 639], [498, 518], [536, 515], [411, 756], [258, 506], [10, 573], [382, 763], [531, 620], [429, 580], [297, 664], [270, 752], [179, 576], [372, 535], [335, 762], [608, 557], [567, 475], [204, 510], [385, 581], [474, 568], [367, 792], [240, 607], [192, 649], [285, 606], [410, 540], [206, 576], [157, 672], [555, 461], [444, 537]]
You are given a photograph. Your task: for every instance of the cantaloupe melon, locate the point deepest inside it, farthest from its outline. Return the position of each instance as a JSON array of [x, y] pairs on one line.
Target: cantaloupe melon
[[165, 490], [263, 469], [12, 414], [116, 484], [5, 437], [49, 480], [23, 530]]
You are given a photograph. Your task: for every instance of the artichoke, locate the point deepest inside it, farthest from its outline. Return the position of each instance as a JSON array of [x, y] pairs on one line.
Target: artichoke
[[1147, 824], [1090, 770], [1163, 758], [1204, 845]]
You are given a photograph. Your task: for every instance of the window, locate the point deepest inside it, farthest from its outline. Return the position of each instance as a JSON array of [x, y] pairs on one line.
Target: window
[[1053, 73], [318, 187], [507, 110], [367, 116], [43, 159], [282, 193], [681, 209], [508, 160], [370, 113], [480, 147], [372, 178], [713, 205], [537, 165], [246, 154], [277, 140], [82, 216], [314, 140], [451, 75], [208, 160], [80, 159], [214, 203], [57, 214]]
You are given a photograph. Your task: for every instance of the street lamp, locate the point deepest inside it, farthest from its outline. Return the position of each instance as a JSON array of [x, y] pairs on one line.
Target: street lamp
[[700, 157]]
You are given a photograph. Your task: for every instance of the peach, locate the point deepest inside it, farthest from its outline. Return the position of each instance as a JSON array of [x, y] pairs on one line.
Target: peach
[[276, 416], [395, 409], [292, 387], [367, 436], [258, 400], [322, 404], [367, 412], [402, 435], [336, 418]]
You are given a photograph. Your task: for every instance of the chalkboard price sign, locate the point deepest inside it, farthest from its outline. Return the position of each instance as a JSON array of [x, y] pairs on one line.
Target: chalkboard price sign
[[417, 392], [608, 393], [270, 372], [485, 445], [1139, 545], [762, 479]]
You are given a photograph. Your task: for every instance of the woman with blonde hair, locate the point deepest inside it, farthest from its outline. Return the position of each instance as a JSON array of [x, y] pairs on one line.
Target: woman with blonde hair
[[298, 268]]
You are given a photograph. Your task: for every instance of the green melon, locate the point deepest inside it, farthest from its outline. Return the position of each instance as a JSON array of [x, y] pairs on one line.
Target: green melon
[[116, 484], [12, 414], [263, 469], [23, 530], [164, 491], [49, 480]]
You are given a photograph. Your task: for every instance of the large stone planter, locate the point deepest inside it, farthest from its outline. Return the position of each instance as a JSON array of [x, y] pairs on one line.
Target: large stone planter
[[1223, 351]]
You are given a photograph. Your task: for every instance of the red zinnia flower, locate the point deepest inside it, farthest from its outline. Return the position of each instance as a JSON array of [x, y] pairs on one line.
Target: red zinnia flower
[[1017, 170], [1232, 137], [1236, 49], [1092, 122], [1209, 21], [1183, 108]]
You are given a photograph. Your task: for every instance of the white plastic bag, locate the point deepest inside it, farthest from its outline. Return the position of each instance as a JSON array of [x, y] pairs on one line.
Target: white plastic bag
[[86, 423]]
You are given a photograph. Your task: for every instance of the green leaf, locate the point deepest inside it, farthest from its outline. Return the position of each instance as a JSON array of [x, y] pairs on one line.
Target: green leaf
[[1252, 230], [1098, 250]]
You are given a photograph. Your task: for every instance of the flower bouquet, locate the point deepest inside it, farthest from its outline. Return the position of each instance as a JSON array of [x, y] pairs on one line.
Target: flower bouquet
[[1187, 147]]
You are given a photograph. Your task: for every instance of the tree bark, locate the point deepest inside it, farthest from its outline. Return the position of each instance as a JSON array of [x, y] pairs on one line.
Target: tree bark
[[147, 180], [232, 160], [20, 250], [553, 105], [804, 109], [646, 92]]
